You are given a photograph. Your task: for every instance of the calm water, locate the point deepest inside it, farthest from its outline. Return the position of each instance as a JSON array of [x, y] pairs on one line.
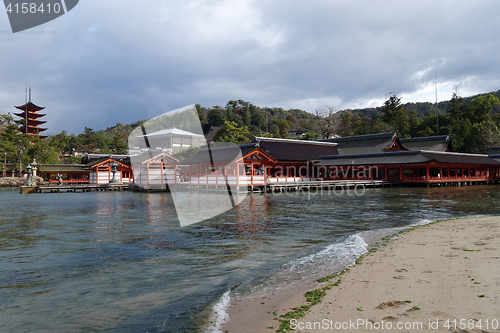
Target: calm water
[[120, 262]]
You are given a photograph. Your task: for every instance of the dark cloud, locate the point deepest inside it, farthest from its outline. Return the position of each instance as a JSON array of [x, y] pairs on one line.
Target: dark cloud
[[121, 61]]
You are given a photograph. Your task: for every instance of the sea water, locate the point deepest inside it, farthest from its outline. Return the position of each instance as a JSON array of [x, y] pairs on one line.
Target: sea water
[[121, 262]]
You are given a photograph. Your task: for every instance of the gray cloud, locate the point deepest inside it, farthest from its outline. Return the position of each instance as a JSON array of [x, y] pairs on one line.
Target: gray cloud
[[121, 61]]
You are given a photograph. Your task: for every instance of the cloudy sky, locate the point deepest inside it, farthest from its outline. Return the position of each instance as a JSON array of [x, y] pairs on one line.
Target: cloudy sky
[[110, 61]]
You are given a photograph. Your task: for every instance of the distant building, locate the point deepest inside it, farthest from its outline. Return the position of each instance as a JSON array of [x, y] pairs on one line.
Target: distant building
[[297, 133], [153, 171], [31, 118], [169, 139], [95, 171]]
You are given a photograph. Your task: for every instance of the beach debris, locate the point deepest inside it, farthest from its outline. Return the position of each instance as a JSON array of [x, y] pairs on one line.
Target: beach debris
[[390, 304]]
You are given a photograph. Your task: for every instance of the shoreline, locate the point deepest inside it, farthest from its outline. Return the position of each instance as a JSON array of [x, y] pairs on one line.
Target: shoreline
[[460, 256]]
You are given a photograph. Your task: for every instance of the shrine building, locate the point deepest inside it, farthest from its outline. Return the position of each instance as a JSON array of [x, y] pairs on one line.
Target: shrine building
[[31, 118]]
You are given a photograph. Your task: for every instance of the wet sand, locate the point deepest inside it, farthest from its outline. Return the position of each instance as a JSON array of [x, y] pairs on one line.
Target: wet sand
[[442, 277]]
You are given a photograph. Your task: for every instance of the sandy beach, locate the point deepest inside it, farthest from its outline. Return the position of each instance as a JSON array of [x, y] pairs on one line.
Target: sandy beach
[[442, 277]]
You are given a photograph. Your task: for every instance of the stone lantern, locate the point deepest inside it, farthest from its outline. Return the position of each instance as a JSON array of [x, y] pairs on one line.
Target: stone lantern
[[28, 181], [113, 170]]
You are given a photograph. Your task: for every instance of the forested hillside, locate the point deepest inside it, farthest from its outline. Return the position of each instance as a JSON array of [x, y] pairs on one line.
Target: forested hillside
[[472, 123]]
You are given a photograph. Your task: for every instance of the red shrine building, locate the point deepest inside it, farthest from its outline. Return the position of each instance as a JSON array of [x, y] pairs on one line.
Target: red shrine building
[[31, 118], [381, 156]]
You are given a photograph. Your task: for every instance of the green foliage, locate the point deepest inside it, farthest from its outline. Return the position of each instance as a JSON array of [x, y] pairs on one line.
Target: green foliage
[[20, 149], [215, 117], [483, 136], [246, 115], [396, 116], [470, 127], [311, 135], [258, 119], [480, 107], [230, 132], [184, 153], [283, 127], [456, 107]]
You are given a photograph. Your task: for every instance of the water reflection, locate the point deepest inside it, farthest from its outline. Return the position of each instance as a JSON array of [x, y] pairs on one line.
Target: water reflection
[[252, 217]]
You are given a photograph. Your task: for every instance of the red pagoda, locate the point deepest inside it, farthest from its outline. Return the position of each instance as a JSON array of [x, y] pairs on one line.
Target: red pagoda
[[30, 118]]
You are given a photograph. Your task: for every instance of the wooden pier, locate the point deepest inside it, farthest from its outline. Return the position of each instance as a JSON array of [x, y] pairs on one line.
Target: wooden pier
[[303, 186], [68, 188], [278, 187], [327, 185]]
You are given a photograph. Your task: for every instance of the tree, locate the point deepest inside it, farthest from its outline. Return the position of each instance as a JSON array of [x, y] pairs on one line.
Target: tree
[[358, 125], [229, 112], [247, 118], [311, 136], [325, 121], [283, 127], [258, 120], [215, 117], [483, 136], [396, 116], [119, 144], [230, 132], [39, 149], [61, 142], [414, 122], [9, 138], [201, 112], [377, 125], [346, 124], [459, 133], [456, 109], [88, 140], [480, 107]]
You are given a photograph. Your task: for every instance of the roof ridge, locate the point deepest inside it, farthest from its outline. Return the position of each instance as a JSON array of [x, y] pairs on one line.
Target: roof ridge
[[426, 138], [252, 144], [307, 142], [170, 131], [399, 152], [451, 153], [362, 137]]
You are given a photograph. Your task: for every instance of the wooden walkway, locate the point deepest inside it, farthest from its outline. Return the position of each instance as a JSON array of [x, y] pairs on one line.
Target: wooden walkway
[[300, 186], [327, 185], [80, 188]]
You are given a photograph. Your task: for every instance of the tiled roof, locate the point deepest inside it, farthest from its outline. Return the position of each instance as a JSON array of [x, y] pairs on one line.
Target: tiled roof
[[433, 143], [407, 157], [362, 144]]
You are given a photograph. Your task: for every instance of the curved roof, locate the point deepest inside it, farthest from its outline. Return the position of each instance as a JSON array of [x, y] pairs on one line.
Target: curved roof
[[30, 106], [406, 157], [221, 154], [170, 131], [433, 143], [31, 114], [284, 150], [281, 150], [370, 143]]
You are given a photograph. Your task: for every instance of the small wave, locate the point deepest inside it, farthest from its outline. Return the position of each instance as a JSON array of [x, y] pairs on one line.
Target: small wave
[[219, 314], [421, 222], [352, 247]]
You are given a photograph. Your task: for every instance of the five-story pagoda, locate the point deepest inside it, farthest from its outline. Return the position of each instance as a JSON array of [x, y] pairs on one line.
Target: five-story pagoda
[[31, 118]]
